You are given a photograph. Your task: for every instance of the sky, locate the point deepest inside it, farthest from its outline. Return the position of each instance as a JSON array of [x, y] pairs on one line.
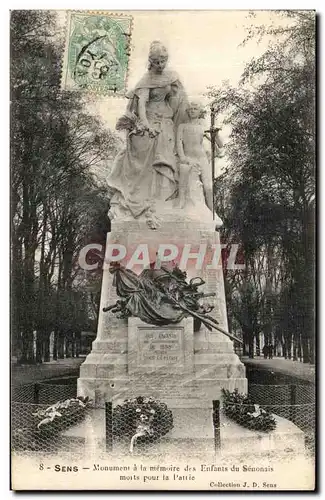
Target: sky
[[203, 49]]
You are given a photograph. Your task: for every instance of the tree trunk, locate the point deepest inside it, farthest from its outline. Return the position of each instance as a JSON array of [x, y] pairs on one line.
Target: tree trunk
[[28, 347], [30, 230], [78, 343], [46, 347], [295, 351], [299, 349], [15, 296], [61, 345], [284, 350], [55, 345], [251, 348], [258, 346], [289, 346], [245, 352], [305, 350], [67, 345], [42, 293], [73, 345], [312, 349], [249, 336], [39, 346]]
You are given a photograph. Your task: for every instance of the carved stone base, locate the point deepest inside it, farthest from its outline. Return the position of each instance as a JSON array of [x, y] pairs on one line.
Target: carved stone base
[[168, 363], [172, 363]]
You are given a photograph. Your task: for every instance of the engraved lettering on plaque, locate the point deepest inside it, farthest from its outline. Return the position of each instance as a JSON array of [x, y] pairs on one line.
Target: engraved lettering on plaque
[[160, 347]]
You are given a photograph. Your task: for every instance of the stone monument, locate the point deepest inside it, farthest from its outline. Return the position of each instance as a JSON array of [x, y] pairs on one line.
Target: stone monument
[[162, 214]]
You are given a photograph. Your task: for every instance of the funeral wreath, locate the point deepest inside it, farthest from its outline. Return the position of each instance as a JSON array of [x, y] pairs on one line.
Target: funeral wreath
[[241, 409], [141, 420]]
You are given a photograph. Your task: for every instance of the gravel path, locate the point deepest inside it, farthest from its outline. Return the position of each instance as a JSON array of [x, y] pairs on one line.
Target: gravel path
[[25, 374], [286, 366]]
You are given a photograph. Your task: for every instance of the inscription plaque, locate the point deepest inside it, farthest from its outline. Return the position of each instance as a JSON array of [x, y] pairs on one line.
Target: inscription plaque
[[167, 349], [161, 346]]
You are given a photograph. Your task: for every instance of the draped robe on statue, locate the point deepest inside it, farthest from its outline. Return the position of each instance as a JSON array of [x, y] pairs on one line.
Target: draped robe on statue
[[145, 172]]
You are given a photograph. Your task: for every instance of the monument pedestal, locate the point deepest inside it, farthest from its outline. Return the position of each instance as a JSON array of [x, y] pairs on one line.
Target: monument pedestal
[[185, 369], [164, 363]]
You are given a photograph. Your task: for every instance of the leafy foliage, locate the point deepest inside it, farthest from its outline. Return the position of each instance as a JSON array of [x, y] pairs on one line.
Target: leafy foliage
[[56, 198], [266, 194]]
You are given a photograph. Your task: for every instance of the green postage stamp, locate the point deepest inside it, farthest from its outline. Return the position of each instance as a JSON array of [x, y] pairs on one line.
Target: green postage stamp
[[97, 52]]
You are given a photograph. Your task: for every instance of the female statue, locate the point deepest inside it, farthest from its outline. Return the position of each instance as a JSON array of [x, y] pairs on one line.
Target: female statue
[[144, 173]]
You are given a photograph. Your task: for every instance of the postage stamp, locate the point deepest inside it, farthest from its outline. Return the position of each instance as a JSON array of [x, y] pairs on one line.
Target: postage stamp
[[97, 52]]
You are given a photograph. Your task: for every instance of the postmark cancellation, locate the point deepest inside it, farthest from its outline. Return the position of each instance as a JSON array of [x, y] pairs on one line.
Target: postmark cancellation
[[97, 51]]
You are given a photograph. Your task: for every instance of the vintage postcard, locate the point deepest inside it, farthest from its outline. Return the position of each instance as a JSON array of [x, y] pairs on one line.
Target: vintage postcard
[[163, 248]]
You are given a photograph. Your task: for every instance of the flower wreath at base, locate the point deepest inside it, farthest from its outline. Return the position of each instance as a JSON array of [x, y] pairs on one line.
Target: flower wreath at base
[[241, 409], [145, 417], [44, 425], [62, 414]]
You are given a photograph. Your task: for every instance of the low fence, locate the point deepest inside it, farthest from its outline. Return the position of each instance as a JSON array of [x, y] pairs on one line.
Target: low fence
[[41, 393], [289, 394], [295, 403], [284, 394], [35, 428]]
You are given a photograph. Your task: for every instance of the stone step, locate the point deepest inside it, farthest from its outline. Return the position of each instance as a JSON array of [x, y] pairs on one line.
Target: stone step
[[102, 390], [195, 423], [195, 394], [215, 347], [104, 369], [235, 439], [217, 358], [188, 388]]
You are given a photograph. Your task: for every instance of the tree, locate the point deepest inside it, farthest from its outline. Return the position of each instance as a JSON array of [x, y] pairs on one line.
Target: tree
[[270, 178], [56, 198]]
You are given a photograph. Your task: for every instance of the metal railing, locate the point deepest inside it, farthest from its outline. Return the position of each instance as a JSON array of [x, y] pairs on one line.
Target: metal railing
[[295, 403]]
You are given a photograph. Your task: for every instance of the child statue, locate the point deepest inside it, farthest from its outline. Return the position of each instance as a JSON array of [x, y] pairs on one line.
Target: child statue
[[195, 179]]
